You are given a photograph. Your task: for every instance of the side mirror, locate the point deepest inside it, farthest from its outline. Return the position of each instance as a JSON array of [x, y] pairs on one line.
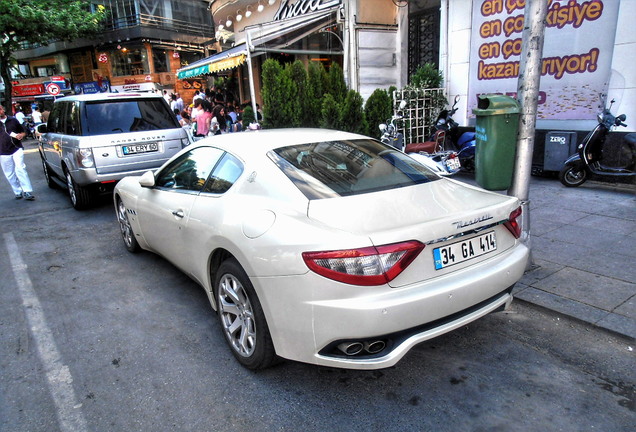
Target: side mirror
[[620, 119], [147, 179], [41, 128]]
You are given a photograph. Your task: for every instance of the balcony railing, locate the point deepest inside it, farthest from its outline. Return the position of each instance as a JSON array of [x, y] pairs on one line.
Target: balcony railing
[[154, 21], [150, 21]]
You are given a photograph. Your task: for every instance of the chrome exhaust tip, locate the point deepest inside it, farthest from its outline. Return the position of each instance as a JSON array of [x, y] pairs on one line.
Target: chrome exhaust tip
[[351, 348], [374, 347]]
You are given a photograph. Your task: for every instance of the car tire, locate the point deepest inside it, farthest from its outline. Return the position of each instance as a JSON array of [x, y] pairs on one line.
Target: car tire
[[80, 196], [47, 174], [125, 228], [241, 317], [572, 176]]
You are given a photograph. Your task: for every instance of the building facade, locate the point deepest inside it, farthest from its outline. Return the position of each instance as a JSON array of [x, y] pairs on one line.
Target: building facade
[[182, 45], [142, 45]]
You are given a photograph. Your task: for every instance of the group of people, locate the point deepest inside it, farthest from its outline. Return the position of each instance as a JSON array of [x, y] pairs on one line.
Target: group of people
[[210, 114]]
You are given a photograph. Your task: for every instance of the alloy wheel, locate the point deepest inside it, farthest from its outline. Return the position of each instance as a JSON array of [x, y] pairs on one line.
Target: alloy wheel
[[124, 225], [237, 315]]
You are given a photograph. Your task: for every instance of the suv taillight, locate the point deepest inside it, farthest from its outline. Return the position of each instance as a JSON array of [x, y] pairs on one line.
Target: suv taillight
[[365, 266], [85, 158]]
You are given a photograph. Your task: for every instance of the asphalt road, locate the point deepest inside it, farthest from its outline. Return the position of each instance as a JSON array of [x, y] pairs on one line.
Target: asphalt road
[[93, 338]]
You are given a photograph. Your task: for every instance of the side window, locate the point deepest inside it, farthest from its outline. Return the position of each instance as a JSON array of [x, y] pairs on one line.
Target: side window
[[190, 171], [224, 175], [55, 119], [72, 119]]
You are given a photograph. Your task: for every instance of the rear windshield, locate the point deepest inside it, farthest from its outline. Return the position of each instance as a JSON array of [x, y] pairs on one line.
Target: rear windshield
[[120, 116], [342, 168]]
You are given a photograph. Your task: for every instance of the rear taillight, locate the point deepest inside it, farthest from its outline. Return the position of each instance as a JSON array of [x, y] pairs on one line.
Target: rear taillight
[[514, 223], [366, 266], [85, 157]]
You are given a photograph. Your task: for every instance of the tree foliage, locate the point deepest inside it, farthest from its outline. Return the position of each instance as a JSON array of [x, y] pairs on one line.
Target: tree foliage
[[378, 108], [330, 113], [296, 97], [337, 86], [298, 75], [352, 117], [248, 116], [316, 77], [41, 22], [278, 92], [427, 77]]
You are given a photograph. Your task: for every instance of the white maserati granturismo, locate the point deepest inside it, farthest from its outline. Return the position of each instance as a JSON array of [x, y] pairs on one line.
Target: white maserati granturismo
[[325, 247]]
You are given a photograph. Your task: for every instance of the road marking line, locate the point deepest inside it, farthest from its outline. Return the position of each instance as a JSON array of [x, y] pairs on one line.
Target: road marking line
[[60, 380]]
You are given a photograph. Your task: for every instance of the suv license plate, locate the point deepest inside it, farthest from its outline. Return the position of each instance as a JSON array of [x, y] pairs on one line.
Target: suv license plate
[[464, 250], [140, 148]]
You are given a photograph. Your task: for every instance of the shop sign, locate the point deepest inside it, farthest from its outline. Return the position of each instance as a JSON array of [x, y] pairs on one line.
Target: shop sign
[[291, 9], [92, 87], [141, 87], [27, 90]]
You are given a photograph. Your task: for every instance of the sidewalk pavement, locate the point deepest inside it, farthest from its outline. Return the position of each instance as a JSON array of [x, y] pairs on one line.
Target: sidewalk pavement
[[583, 243]]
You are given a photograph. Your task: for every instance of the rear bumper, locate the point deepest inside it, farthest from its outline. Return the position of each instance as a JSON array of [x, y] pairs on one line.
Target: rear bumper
[[309, 316]]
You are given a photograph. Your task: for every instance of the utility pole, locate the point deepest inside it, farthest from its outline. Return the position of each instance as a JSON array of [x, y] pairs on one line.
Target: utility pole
[[528, 94]]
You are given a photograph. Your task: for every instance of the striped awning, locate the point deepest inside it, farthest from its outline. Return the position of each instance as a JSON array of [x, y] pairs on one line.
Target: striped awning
[[218, 62], [277, 34]]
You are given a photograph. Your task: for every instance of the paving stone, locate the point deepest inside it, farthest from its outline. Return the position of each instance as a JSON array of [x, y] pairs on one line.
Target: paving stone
[[587, 288]]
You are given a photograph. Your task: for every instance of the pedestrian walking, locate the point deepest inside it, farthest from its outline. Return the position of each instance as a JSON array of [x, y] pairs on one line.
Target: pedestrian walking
[[12, 156]]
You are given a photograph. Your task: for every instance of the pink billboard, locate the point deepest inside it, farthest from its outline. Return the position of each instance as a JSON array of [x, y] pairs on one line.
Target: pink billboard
[[577, 54]]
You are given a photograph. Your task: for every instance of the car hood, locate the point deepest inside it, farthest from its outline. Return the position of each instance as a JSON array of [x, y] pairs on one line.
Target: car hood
[[425, 212]]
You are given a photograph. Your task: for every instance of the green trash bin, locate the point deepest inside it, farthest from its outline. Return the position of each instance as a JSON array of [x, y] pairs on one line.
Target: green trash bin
[[496, 140]]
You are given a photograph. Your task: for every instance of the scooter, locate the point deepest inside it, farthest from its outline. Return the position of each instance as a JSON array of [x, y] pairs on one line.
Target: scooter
[[589, 157], [448, 138], [442, 163]]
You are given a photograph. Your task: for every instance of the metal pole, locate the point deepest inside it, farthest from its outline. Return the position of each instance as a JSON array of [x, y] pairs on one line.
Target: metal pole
[[248, 45], [528, 93]]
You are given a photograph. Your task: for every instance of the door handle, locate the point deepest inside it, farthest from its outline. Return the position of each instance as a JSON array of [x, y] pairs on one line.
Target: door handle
[[178, 213]]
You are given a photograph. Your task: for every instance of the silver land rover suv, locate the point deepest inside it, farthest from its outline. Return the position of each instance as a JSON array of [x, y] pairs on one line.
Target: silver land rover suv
[[92, 141]]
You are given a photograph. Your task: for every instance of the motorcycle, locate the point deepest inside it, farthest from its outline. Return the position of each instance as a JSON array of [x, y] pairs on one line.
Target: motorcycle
[[448, 138], [29, 127], [589, 157], [442, 163]]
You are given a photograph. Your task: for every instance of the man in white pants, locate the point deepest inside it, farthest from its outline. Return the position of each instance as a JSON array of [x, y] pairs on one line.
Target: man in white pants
[[12, 156]]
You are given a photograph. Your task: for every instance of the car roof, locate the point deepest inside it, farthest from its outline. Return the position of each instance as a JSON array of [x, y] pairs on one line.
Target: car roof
[[108, 96], [245, 143]]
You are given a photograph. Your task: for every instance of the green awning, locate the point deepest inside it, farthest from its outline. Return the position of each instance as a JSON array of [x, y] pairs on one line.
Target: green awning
[[220, 61]]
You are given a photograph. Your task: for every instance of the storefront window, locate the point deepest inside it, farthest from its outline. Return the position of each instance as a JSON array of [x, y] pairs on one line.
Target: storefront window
[[45, 71], [161, 60], [189, 58], [130, 61]]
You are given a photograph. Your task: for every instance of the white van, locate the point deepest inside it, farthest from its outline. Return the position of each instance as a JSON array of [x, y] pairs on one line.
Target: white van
[[92, 141]]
